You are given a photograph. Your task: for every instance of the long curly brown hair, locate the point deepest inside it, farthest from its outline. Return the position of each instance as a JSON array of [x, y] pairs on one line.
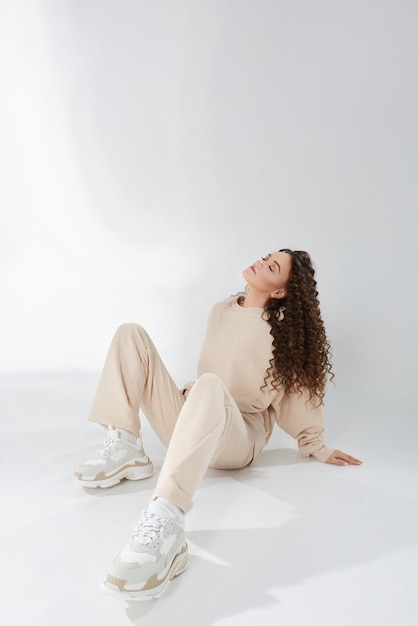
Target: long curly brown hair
[[301, 351]]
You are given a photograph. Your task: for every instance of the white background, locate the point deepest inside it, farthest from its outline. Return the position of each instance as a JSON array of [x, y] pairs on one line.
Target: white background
[[152, 150]]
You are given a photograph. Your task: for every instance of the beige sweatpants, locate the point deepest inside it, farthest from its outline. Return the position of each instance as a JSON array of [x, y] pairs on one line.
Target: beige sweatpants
[[205, 430]]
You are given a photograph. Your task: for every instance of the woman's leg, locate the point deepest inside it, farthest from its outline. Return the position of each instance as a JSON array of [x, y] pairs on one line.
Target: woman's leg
[[210, 431], [134, 377]]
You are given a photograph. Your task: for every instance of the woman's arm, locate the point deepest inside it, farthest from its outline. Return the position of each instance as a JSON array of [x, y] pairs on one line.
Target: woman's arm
[[304, 421]]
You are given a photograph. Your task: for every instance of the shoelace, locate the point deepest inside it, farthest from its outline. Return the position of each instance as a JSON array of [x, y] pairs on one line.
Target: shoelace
[[148, 528], [107, 446]]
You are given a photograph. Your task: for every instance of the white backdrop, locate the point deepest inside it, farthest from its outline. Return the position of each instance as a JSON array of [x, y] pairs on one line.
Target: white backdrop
[[153, 149]]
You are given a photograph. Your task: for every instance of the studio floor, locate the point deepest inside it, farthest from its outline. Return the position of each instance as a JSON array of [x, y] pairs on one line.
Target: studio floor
[[286, 541]]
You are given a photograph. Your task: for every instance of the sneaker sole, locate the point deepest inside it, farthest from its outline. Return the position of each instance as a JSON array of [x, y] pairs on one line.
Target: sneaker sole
[[130, 473], [112, 586]]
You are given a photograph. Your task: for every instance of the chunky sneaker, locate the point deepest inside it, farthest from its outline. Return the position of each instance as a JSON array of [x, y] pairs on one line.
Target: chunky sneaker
[[115, 459], [156, 553]]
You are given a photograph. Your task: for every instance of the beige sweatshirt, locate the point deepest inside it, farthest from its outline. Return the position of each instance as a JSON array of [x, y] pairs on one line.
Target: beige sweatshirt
[[238, 348]]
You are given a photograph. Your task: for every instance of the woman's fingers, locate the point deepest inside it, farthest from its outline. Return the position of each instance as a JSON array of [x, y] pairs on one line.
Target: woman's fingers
[[342, 458]]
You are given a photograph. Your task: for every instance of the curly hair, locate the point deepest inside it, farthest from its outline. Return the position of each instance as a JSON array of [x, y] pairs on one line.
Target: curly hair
[[301, 352]]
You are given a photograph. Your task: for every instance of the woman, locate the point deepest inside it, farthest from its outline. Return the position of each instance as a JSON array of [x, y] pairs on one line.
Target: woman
[[265, 359]]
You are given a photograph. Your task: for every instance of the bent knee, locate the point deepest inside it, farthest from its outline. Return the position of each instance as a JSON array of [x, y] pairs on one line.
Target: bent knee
[[208, 385], [209, 380], [127, 329], [131, 330]]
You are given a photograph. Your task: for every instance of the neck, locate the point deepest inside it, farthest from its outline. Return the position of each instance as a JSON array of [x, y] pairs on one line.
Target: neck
[[254, 300]]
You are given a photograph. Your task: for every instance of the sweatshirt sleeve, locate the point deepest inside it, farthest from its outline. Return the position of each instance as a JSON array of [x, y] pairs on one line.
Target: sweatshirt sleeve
[[302, 420]]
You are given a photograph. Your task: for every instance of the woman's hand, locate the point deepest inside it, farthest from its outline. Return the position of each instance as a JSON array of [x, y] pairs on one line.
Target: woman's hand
[[341, 458]]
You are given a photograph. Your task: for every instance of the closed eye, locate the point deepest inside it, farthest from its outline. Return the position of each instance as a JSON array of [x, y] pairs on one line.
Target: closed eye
[[271, 267]]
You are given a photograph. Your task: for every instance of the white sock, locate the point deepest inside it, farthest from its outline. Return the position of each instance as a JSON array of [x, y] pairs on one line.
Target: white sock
[[126, 434], [177, 511]]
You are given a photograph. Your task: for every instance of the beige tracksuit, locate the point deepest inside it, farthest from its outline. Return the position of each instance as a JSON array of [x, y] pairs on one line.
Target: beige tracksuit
[[224, 419]]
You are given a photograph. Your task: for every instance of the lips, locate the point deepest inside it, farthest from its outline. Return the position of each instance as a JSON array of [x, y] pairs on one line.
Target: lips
[[253, 268]]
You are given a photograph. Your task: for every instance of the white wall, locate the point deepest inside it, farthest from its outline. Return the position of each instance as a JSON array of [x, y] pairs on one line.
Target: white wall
[[151, 150]]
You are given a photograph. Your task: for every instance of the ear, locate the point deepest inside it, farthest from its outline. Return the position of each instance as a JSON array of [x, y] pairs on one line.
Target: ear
[[280, 293]]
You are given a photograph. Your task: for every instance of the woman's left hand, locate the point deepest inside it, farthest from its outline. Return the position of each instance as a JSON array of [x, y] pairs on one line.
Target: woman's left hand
[[341, 458]]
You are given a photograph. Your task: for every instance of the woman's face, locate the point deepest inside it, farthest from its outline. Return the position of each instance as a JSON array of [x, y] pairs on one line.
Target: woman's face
[[269, 275]]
